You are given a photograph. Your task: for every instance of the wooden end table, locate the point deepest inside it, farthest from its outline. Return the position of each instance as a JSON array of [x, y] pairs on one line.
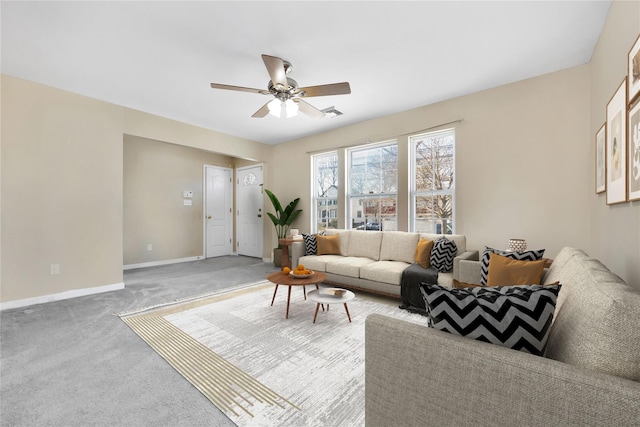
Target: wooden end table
[[279, 278], [284, 254]]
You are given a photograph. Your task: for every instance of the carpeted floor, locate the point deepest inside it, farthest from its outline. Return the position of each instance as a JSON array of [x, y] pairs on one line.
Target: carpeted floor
[[75, 363]]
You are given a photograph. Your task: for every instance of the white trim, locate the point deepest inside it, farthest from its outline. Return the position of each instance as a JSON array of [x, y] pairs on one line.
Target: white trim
[[60, 296], [163, 262]]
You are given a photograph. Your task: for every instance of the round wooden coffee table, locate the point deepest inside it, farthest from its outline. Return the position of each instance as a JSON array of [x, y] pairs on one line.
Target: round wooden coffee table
[[279, 278]]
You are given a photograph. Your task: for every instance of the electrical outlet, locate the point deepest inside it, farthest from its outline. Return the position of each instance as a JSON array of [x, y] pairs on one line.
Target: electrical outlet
[[54, 269], [149, 247]]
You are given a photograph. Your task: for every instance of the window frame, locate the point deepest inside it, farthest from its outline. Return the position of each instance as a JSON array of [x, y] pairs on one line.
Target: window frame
[[350, 196], [316, 208], [414, 193]]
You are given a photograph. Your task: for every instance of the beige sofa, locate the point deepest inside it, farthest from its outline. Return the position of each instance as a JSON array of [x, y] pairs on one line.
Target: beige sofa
[[374, 260], [416, 375]]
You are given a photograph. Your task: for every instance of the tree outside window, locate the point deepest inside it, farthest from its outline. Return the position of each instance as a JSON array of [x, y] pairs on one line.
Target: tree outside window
[[325, 167], [433, 182]]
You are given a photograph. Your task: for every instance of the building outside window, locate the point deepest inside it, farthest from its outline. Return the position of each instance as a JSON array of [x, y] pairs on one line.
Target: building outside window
[[373, 185], [325, 191], [433, 185]]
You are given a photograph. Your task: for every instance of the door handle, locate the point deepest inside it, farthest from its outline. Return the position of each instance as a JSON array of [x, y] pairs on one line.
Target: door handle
[[208, 216], [259, 215]]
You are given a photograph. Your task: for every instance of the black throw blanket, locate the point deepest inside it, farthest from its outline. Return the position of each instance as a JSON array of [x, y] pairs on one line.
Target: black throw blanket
[[412, 276]]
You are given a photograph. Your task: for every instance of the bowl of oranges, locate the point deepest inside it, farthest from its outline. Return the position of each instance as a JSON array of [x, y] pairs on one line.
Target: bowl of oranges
[[301, 272]]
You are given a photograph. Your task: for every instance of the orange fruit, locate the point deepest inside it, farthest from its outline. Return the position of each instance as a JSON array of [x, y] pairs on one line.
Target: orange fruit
[[286, 270], [300, 267]]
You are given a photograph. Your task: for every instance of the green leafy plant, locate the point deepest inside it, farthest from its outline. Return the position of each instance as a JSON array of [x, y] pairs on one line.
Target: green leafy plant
[[283, 218]]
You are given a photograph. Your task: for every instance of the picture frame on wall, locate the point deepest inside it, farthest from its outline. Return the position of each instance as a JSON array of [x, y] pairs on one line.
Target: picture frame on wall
[[633, 73], [616, 146], [601, 160], [633, 153]]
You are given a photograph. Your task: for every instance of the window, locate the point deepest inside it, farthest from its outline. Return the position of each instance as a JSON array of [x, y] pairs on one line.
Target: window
[[373, 186], [433, 189], [325, 191]]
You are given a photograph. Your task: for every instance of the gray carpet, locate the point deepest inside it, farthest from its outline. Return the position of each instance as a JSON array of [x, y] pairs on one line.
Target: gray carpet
[[74, 363]]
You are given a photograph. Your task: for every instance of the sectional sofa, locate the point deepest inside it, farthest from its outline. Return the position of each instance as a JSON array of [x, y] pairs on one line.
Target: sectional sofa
[[374, 260], [416, 375]]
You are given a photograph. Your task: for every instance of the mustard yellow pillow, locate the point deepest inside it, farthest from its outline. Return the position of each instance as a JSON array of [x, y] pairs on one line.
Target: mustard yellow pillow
[[328, 245], [504, 271], [423, 252], [462, 285]]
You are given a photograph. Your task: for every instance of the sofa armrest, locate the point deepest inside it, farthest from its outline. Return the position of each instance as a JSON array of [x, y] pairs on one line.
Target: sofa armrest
[[469, 271], [465, 256], [416, 375], [297, 251]]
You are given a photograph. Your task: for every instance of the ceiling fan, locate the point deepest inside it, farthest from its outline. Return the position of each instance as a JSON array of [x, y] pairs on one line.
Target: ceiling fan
[[287, 95]]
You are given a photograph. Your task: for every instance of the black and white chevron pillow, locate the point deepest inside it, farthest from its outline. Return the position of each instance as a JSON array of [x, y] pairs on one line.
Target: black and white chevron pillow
[[442, 254], [516, 317], [520, 256], [310, 244]]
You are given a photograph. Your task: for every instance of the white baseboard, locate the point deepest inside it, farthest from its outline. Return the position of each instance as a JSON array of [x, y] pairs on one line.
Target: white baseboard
[[164, 262], [60, 296]]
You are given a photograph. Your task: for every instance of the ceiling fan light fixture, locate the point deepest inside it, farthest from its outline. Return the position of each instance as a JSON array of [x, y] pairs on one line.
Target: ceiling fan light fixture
[[283, 109]]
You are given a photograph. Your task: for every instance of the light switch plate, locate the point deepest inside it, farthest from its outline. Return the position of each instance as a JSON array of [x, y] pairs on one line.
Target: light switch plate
[[187, 202], [187, 194]]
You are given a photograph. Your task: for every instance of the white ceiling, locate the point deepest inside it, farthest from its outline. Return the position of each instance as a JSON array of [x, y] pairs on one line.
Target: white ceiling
[[160, 57]]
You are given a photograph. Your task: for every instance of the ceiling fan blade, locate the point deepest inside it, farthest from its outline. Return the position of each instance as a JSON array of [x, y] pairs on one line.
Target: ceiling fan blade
[[324, 90], [239, 88], [308, 109], [262, 112], [275, 67]]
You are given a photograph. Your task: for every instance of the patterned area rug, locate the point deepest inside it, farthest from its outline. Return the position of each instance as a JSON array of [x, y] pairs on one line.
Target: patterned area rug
[[261, 369]]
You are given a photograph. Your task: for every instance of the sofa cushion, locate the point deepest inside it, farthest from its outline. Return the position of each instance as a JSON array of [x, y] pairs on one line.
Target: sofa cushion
[[423, 252], [522, 256], [317, 262], [310, 244], [505, 271], [442, 254], [516, 317], [348, 266], [328, 245], [398, 246], [596, 327], [365, 244], [384, 271], [459, 239], [344, 239]]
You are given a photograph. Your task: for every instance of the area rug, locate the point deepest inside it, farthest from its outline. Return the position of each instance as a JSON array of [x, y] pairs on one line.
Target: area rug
[[261, 369]]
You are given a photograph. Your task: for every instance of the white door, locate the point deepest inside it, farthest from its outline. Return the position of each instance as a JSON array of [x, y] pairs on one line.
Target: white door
[[249, 212], [218, 211]]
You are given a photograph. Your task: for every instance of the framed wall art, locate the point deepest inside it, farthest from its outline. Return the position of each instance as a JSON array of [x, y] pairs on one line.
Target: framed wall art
[[633, 153], [601, 163], [617, 146], [633, 73]]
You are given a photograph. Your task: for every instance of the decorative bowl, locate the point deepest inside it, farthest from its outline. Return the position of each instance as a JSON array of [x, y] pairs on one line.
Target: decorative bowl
[[301, 276]]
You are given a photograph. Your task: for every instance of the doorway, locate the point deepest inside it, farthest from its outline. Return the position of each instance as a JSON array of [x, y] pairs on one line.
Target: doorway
[[218, 211], [249, 212]]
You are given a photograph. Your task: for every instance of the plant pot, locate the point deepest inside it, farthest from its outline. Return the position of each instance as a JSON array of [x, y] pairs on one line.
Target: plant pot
[[277, 257]]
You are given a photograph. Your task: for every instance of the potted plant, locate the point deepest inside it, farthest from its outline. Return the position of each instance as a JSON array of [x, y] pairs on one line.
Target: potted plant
[[282, 220]]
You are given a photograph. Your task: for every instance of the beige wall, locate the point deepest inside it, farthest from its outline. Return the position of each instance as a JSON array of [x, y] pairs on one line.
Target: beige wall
[[155, 176], [614, 231], [62, 185], [520, 160], [61, 191]]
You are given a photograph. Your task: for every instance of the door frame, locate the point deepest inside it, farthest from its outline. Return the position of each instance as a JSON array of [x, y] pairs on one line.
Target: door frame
[[204, 209], [236, 198]]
